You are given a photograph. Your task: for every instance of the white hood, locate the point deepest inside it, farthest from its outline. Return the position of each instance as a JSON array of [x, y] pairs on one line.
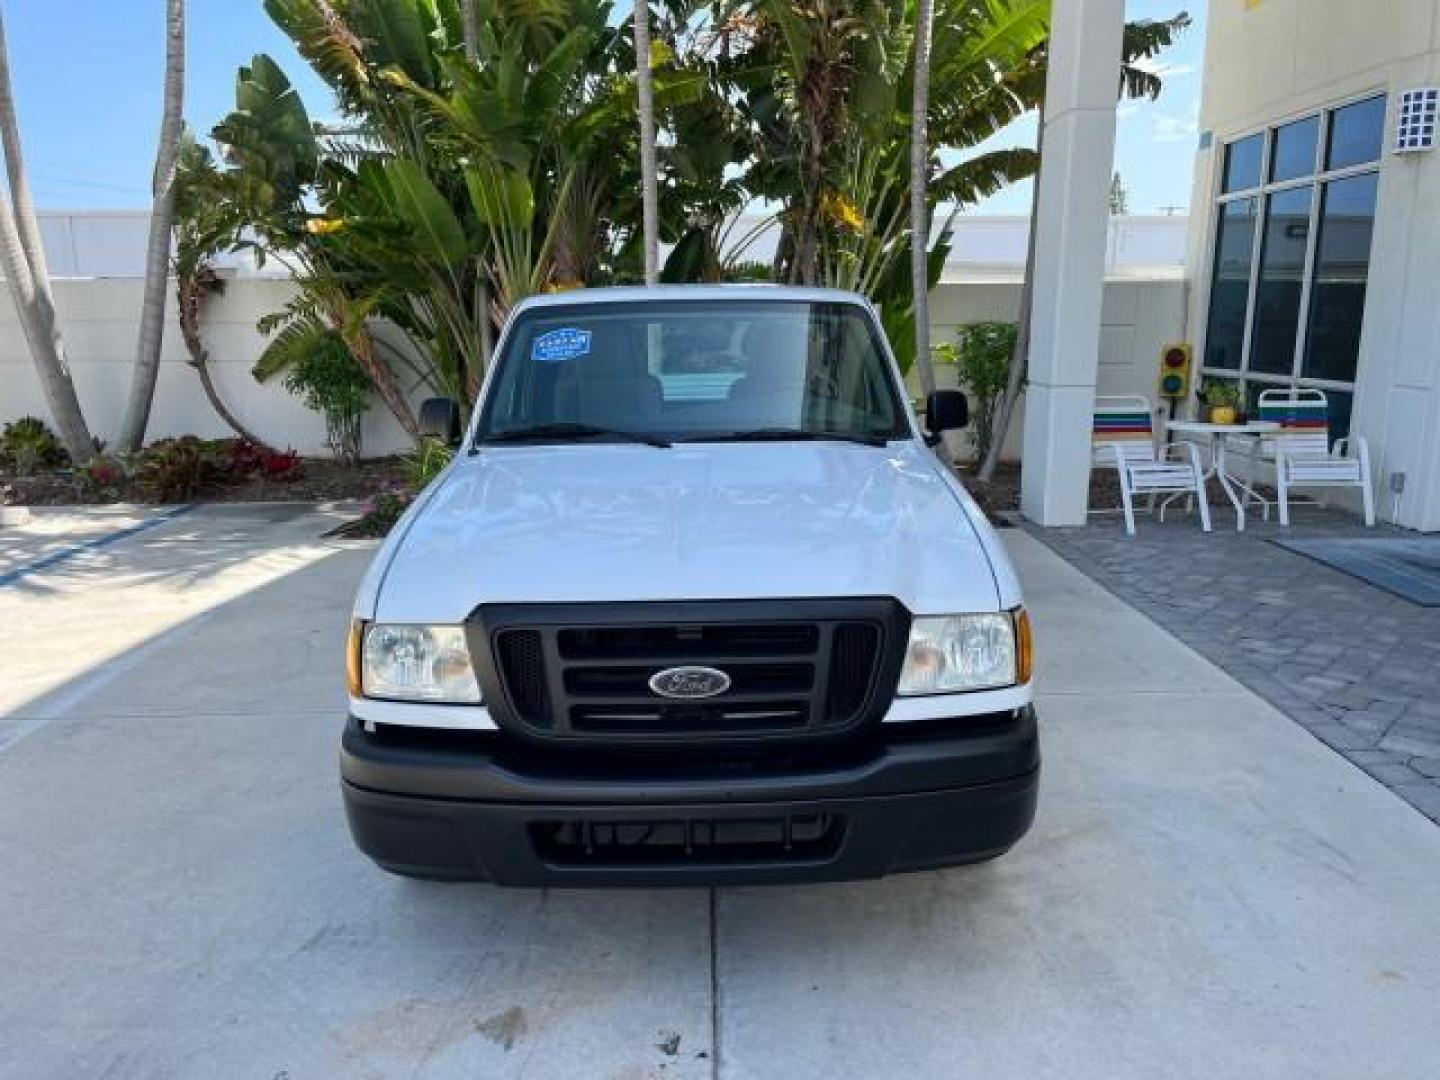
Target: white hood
[[592, 522]]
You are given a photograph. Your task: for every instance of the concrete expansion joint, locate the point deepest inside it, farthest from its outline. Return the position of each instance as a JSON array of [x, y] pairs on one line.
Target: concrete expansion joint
[[714, 989]]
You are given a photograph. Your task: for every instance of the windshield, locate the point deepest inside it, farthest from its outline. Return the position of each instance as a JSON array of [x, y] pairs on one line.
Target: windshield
[[693, 371]]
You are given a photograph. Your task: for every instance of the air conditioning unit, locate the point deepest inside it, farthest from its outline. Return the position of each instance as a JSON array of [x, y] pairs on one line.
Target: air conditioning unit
[[1415, 125]]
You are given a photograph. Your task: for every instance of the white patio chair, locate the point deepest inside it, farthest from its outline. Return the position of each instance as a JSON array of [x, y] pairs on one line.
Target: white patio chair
[[1123, 436], [1302, 452]]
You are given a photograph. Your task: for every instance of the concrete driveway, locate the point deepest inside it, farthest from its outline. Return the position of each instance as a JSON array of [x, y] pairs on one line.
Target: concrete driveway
[[1208, 891]]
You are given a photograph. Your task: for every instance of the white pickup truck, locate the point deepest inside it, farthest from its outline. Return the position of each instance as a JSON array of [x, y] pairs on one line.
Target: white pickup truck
[[695, 603]]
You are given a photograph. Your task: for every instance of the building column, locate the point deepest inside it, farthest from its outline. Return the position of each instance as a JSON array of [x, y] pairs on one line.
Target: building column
[[1069, 274]]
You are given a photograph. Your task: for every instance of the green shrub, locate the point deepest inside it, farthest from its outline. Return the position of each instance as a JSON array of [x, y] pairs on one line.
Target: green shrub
[[382, 511], [982, 353], [29, 442], [103, 474], [328, 380], [426, 462], [172, 470]]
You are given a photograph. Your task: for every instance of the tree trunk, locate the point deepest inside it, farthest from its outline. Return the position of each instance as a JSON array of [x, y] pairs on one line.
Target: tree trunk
[[471, 29], [649, 166], [805, 247], [1020, 358], [24, 202], [190, 296], [784, 249], [362, 348], [919, 177], [157, 251], [23, 256]]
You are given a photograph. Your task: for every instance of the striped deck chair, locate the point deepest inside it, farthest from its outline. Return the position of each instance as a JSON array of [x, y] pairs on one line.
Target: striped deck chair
[[1123, 437], [1302, 452]]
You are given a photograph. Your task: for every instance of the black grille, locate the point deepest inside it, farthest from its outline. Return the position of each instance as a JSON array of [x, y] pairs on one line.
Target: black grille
[[679, 642], [582, 672], [795, 838], [851, 667], [522, 665]]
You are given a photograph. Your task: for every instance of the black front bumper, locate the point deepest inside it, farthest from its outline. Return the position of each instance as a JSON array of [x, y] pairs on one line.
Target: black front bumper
[[479, 807]]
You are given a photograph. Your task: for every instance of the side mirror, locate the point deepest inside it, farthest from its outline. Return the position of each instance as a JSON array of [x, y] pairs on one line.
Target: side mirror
[[440, 419], [946, 410]]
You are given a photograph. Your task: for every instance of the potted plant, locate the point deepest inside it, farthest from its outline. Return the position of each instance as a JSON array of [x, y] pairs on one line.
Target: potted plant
[[1223, 400]]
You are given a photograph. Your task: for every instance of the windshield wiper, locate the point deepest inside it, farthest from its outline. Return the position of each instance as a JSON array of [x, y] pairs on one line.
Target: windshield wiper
[[543, 432], [784, 434]]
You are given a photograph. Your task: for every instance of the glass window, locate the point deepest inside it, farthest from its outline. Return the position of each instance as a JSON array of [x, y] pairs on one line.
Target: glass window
[[696, 369], [1293, 152], [1328, 266], [1342, 268], [1357, 133], [1230, 288], [1341, 403], [1242, 163], [1282, 277]]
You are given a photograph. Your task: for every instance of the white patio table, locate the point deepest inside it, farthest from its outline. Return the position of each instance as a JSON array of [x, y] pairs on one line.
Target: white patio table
[[1216, 435]]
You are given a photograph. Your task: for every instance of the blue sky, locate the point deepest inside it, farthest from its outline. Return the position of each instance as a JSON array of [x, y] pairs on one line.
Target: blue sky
[[1154, 141], [87, 77]]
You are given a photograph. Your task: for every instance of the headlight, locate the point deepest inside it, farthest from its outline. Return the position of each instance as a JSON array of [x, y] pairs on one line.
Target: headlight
[[414, 663], [952, 653]]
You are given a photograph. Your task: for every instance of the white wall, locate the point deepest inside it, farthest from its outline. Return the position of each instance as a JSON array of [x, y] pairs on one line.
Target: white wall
[[98, 318], [1138, 317], [1276, 59], [111, 243]]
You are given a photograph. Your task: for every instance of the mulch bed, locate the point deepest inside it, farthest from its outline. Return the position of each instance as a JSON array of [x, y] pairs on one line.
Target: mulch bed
[[322, 480]]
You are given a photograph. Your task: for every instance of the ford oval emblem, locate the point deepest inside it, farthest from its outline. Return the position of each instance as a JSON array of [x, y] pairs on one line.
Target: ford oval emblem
[[689, 682]]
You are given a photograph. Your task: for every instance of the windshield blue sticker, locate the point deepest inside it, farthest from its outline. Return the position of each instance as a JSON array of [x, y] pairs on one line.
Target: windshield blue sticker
[[566, 343]]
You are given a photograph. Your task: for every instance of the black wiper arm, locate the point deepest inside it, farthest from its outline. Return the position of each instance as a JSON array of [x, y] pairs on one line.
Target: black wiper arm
[[541, 432], [782, 434]]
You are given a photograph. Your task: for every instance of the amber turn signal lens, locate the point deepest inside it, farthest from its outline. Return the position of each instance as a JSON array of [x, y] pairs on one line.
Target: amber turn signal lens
[[1024, 647], [352, 656]]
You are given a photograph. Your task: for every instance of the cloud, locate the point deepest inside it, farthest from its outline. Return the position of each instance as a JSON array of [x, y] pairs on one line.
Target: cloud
[[1164, 70], [1172, 129]]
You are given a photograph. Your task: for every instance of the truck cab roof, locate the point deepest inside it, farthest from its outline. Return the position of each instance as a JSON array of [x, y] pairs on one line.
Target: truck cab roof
[[619, 294]]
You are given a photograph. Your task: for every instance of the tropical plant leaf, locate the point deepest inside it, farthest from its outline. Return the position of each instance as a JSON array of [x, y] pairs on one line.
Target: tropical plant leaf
[[435, 229], [502, 198], [296, 339], [982, 176]]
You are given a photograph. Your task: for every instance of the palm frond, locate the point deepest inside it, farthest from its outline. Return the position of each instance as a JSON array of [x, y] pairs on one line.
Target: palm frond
[[1144, 40], [982, 176], [296, 339]]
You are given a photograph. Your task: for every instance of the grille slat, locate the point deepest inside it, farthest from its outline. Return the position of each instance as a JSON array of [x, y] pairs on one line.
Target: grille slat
[[678, 643], [634, 681], [582, 672]]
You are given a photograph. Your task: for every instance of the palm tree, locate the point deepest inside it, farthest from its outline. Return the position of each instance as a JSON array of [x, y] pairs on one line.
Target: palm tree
[[23, 256], [157, 251], [470, 28], [207, 222], [649, 166], [919, 205]]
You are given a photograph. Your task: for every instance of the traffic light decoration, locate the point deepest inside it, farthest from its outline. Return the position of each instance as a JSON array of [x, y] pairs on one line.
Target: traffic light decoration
[[1175, 371]]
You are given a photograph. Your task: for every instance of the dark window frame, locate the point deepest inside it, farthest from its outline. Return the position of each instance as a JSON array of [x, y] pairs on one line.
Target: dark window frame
[[1315, 182], [891, 386]]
